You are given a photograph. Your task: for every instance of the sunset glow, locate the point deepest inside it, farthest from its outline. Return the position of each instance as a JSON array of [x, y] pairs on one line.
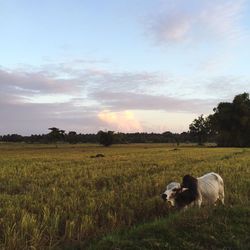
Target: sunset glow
[[121, 121]]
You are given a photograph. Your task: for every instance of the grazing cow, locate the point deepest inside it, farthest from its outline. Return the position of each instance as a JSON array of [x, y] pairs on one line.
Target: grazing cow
[[170, 192], [207, 189]]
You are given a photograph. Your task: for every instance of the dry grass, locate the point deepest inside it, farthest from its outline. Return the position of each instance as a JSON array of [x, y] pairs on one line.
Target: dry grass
[[52, 197]]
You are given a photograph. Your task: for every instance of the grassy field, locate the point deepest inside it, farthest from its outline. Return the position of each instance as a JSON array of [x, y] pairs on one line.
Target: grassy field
[[65, 198]]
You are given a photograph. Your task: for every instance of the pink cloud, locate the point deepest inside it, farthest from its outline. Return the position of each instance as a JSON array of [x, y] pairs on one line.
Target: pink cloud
[[180, 21]]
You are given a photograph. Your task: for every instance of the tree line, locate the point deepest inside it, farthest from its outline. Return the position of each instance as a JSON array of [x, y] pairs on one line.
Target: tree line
[[228, 126], [106, 138]]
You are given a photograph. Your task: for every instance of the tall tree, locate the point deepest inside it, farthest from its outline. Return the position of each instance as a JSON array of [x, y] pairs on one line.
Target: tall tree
[[200, 128], [56, 135], [231, 121]]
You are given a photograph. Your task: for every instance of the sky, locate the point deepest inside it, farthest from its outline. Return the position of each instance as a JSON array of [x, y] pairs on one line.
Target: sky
[[127, 66]]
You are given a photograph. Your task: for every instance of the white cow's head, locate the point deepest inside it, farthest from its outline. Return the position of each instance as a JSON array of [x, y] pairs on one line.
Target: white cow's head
[[170, 193]]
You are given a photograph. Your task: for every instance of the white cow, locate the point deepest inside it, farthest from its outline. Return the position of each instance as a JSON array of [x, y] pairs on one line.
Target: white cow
[[207, 189]]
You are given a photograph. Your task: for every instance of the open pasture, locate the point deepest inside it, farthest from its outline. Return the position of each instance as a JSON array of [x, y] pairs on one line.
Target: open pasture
[[64, 197]]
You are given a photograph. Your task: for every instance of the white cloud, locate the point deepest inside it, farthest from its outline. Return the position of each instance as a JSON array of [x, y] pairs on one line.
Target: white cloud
[[36, 83]]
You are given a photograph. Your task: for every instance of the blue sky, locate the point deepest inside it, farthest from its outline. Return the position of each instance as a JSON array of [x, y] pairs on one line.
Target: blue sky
[[123, 65]]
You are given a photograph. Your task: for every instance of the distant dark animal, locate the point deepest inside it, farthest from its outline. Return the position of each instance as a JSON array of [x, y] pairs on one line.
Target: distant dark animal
[[97, 155], [207, 189]]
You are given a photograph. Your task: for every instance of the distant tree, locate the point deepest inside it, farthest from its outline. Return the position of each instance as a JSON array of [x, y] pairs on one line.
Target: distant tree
[[168, 137], [106, 138], [177, 141], [12, 138], [72, 137], [120, 138], [56, 135], [33, 138], [200, 128]]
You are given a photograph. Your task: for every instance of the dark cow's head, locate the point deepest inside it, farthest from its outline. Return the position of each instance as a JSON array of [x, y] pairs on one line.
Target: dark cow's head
[[189, 182]]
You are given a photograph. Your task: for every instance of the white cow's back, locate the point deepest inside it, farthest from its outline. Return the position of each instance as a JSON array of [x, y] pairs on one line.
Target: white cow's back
[[211, 188]]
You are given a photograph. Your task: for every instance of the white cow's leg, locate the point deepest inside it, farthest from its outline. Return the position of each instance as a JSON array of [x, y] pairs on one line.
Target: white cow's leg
[[222, 196], [199, 201], [222, 199]]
